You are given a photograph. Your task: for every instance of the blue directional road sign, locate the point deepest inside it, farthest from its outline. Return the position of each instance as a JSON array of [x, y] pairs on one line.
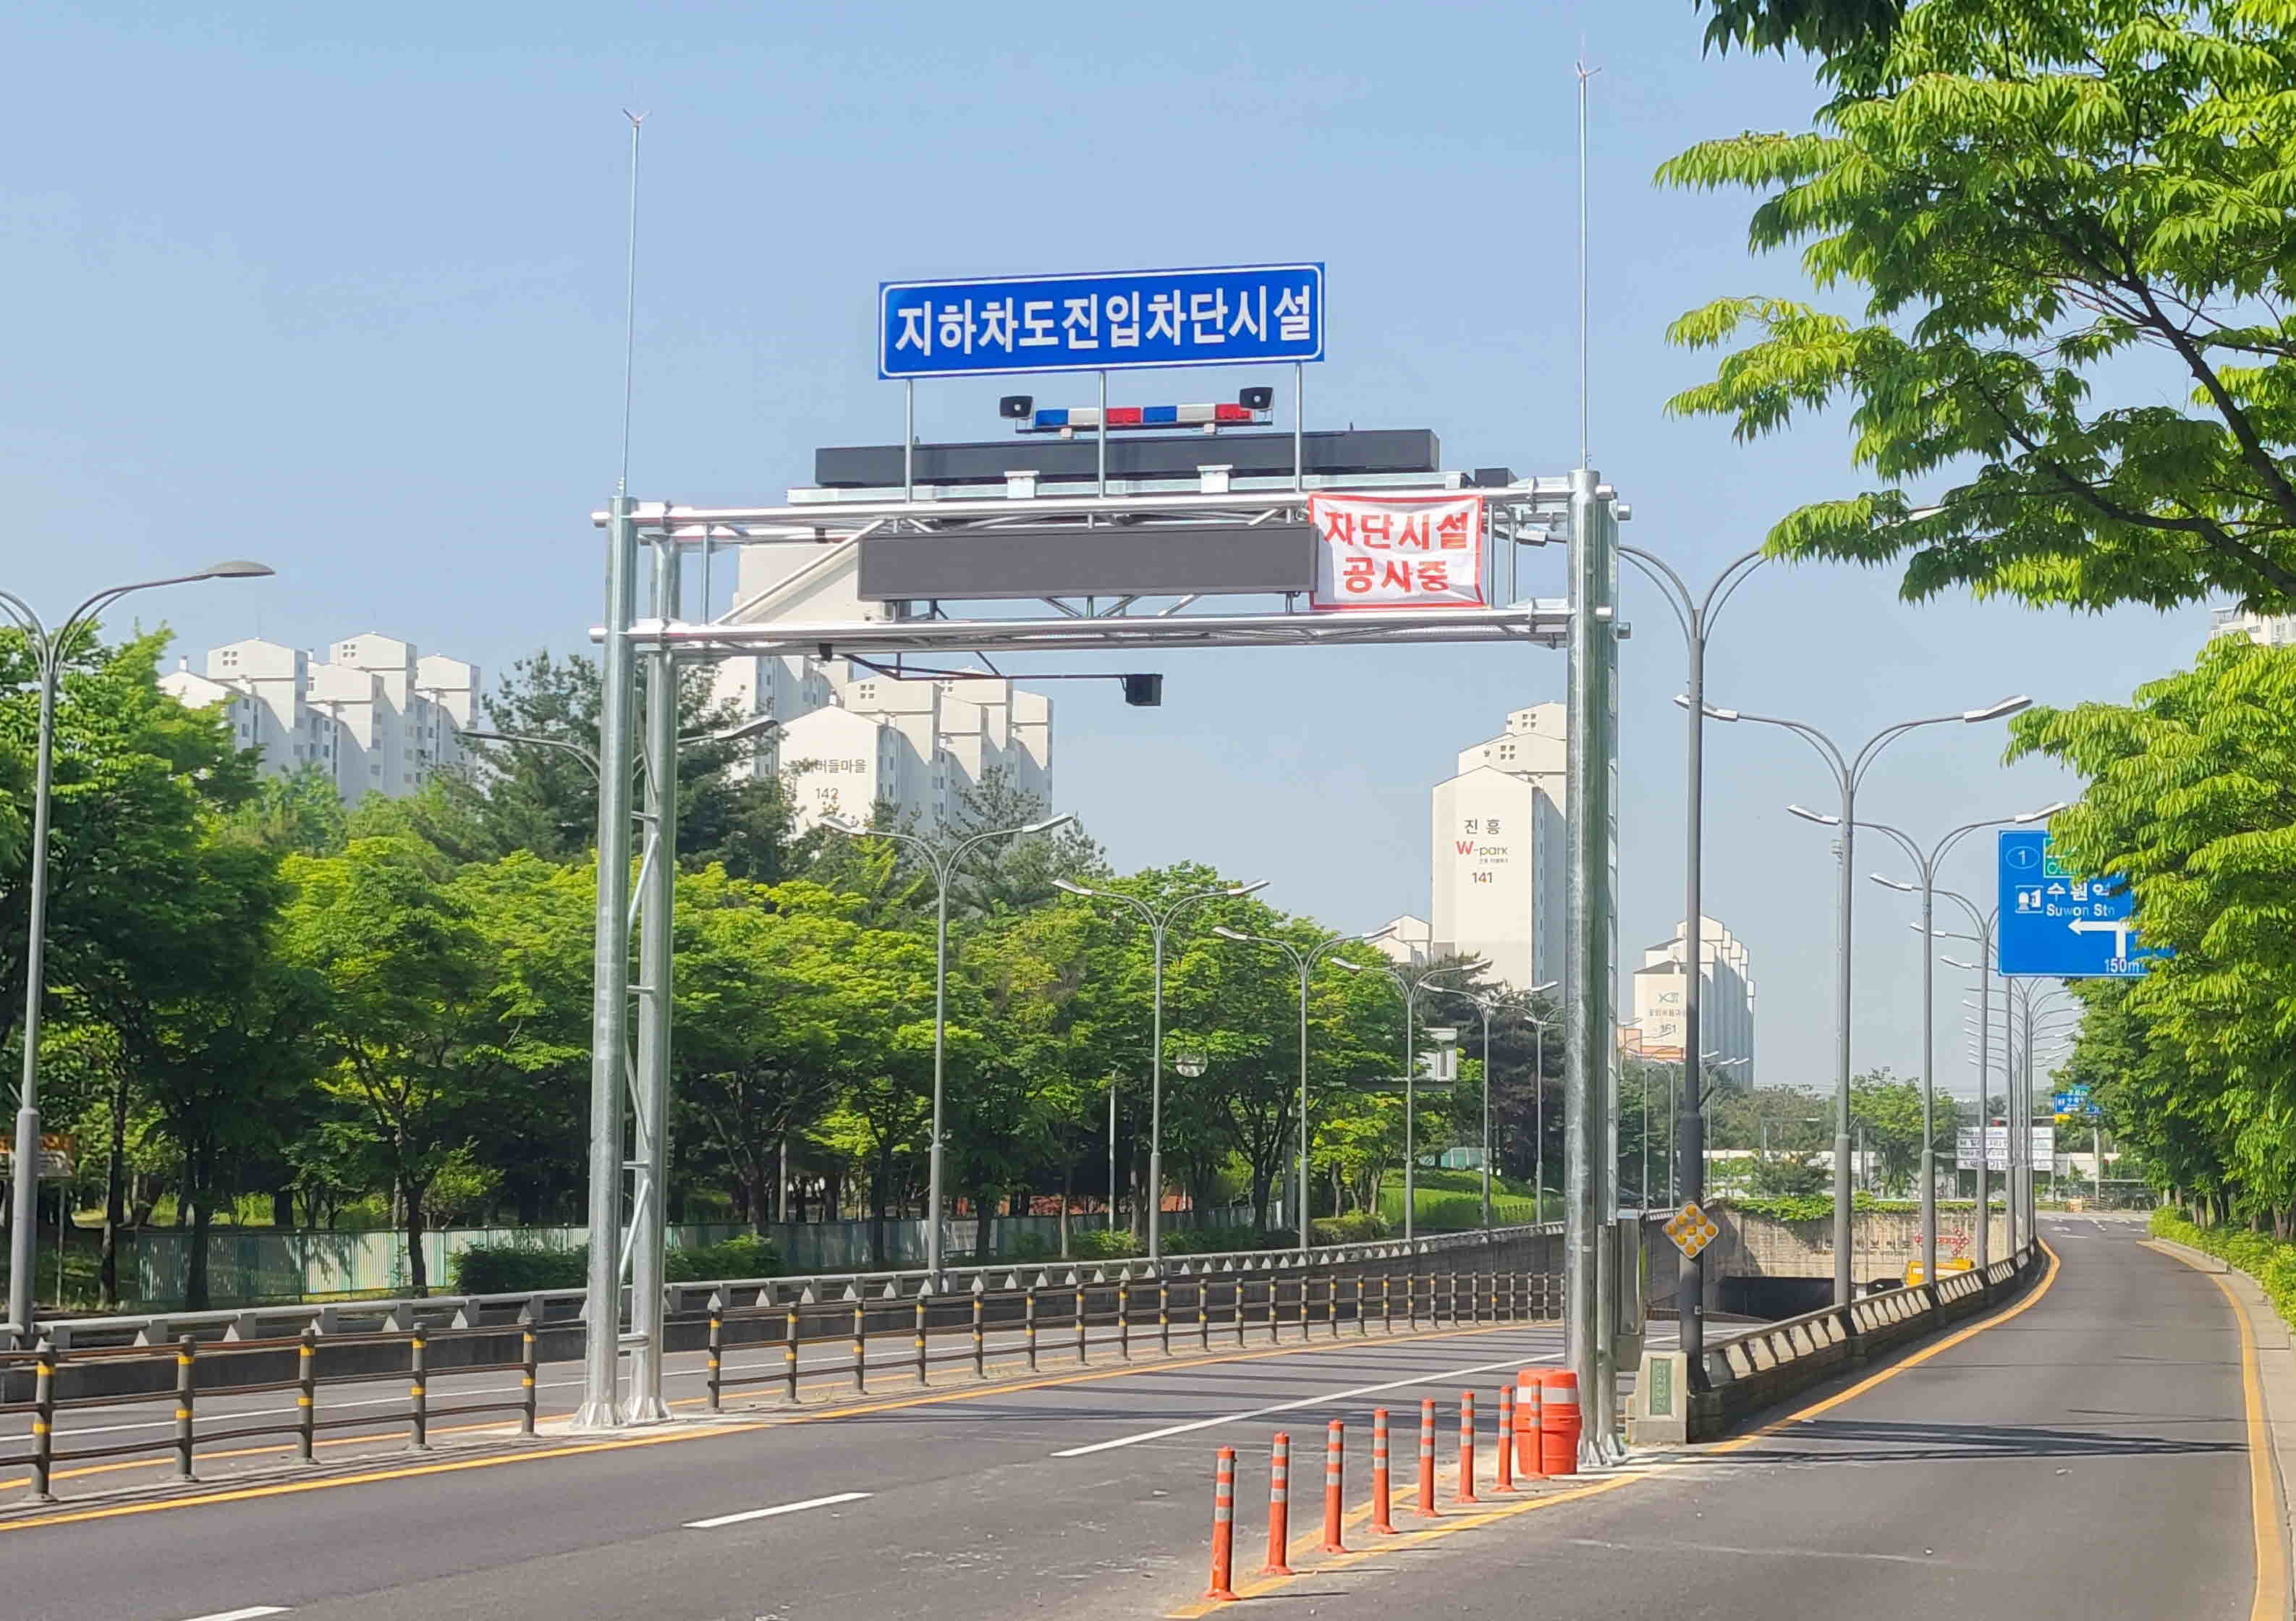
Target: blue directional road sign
[[2057, 926], [1104, 322]]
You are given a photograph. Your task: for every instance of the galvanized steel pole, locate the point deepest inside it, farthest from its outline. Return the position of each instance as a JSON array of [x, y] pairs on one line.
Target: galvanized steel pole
[[609, 977]]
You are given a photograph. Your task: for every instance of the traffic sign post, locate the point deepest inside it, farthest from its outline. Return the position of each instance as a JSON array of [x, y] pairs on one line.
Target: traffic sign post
[[2054, 925]]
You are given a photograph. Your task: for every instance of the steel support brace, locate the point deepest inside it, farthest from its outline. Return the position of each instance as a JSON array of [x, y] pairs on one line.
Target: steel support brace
[[650, 1102], [609, 978]]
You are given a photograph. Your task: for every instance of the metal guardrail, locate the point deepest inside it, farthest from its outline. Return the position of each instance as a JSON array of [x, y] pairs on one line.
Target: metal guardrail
[[1749, 1370], [1144, 1314], [1068, 1311], [50, 1363], [563, 1307]]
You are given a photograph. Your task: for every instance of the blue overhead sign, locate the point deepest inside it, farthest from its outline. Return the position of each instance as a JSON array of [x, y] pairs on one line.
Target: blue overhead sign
[[2056, 925], [1122, 320]]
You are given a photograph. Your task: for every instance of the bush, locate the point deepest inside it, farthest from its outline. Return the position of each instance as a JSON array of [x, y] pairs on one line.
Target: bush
[[1100, 1244], [747, 1256], [1030, 1246], [509, 1269], [1355, 1227], [2271, 1263], [1223, 1240]]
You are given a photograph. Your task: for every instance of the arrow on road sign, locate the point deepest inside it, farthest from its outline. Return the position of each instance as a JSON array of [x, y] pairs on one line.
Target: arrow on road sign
[[2120, 928]]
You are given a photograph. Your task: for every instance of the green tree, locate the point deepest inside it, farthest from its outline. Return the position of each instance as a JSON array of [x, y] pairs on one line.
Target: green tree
[[2192, 801], [410, 1032], [1814, 25], [2049, 211]]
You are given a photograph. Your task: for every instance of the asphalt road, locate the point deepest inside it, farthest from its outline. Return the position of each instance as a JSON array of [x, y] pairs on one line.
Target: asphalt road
[[2084, 1457]]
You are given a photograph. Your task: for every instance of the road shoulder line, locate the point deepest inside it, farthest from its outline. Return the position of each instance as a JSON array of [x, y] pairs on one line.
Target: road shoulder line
[[2268, 1380]]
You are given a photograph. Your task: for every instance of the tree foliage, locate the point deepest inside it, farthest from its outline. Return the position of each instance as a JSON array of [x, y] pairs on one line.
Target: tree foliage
[[2066, 227], [2192, 801]]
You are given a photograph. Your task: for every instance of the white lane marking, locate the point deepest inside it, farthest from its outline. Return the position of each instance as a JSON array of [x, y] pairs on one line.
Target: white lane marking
[[248, 1614], [779, 1508], [1323, 1400]]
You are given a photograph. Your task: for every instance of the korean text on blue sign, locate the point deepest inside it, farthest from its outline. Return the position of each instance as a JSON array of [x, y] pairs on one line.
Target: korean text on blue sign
[[1104, 323], [2056, 925]]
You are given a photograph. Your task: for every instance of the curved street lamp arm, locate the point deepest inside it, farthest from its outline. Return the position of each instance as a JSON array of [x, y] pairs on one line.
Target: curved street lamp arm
[[1825, 745], [1882, 738], [1726, 583], [1921, 865], [27, 620], [1670, 586]]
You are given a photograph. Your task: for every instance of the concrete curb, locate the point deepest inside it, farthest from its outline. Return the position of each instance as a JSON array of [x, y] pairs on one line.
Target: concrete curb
[[2276, 1368]]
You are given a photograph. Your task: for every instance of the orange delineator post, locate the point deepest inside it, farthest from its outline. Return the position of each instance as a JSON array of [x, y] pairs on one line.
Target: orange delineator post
[[1558, 1422], [1279, 1508], [1527, 1418], [1506, 1478], [1380, 1521], [1427, 1457], [1467, 1447], [1335, 1455], [1224, 1526]]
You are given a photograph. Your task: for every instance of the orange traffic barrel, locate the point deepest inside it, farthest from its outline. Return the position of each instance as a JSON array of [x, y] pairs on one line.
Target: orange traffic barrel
[[1558, 1422]]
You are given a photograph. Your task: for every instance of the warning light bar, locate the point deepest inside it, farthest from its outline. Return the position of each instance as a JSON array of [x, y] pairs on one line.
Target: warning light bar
[[1253, 409]]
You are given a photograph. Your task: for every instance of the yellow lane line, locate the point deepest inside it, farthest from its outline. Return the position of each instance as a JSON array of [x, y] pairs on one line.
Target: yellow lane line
[[2271, 1602], [765, 1420], [1450, 1527], [1266, 1585], [1894, 1368]]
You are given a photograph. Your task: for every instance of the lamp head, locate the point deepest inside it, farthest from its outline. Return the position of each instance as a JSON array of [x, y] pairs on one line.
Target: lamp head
[[1226, 933], [1897, 884], [235, 569], [1998, 711], [1049, 822], [1810, 815], [1541, 990], [2042, 815], [1255, 886], [839, 824], [1069, 887]]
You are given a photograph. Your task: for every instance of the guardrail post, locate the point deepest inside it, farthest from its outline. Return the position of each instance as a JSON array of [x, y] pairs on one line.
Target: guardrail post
[[186, 1351], [1279, 1508], [43, 1421], [1332, 1305], [1381, 1520], [1224, 1526], [1335, 1455], [920, 1340], [1451, 1299], [1386, 1302], [1164, 1315], [1203, 1314], [418, 1393], [1028, 1322], [527, 1355], [1124, 1318], [860, 1355], [789, 1349], [1275, 1311], [1238, 1303], [717, 1355], [980, 1342], [306, 1394], [1083, 1355]]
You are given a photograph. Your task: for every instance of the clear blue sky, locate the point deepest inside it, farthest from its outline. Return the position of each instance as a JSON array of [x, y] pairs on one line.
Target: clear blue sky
[[342, 289]]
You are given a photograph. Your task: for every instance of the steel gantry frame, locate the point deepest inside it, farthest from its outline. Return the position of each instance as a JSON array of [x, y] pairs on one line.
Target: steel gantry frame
[[627, 1224]]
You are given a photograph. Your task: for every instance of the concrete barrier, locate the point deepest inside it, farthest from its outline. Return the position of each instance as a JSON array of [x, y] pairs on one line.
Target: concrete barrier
[[1749, 1372]]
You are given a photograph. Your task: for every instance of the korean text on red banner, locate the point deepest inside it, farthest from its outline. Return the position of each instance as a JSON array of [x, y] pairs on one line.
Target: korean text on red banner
[[1398, 552]]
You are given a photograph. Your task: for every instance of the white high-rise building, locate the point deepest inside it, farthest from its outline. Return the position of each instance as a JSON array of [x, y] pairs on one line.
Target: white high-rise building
[[851, 737], [1726, 1002], [1498, 851], [2264, 629], [376, 716]]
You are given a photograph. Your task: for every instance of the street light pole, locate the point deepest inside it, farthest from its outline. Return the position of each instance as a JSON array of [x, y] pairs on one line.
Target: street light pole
[[1695, 615], [1848, 771], [1927, 864], [1303, 961], [1483, 1007], [1159, 920], [49, 649], [1410, 990], [944, 862]]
